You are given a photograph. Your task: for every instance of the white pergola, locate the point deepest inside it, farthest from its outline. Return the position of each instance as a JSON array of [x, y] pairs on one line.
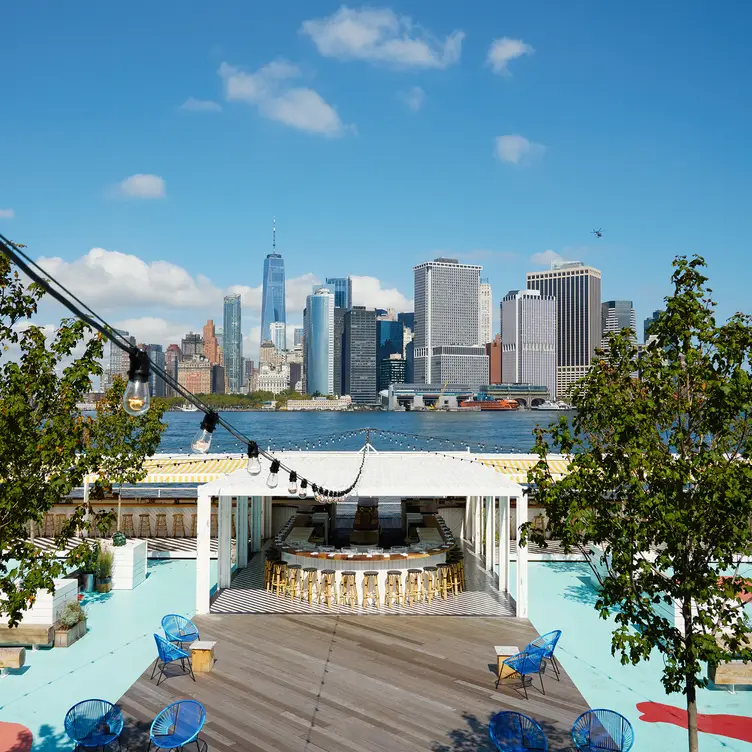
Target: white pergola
[[419, 475]]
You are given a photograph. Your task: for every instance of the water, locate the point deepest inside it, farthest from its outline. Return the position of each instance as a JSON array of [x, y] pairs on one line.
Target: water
[[489, 431]]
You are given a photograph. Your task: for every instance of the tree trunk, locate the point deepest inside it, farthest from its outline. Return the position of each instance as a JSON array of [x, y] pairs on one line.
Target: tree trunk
[[690, 679], [692, 715]]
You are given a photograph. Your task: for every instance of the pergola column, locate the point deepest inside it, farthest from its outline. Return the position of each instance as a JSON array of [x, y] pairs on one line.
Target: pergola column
[[241, 529], [504, 544], [488, 557], [224, 542], [477, 527], [466, 522], [256, 522], [522, 556], [203, 549]]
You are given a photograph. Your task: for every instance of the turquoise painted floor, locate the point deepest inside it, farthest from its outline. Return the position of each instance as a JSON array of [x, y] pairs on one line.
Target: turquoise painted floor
[[106, 662], [562, 598]]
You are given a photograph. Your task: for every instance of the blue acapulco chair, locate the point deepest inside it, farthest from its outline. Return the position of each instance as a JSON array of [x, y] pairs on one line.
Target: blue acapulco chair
[[177, 725], [601, 729], [94, 723], [546, 643], [179, 629], [514, 732], [168, 653], [527, 663]]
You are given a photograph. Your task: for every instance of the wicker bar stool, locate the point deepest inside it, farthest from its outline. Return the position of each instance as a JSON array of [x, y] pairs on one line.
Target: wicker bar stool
[[444, 577], [455, 580], [144, 525], [371, 589], [328, 591], [60, 520], [430, 583], [279, 578], [348, 590], [214, 525], [413, 591], [294, 581], [48, 526], [127, 521], [194, 525], [161, 531], [393, 593], [268, 575], [178, 528], [310, 584]]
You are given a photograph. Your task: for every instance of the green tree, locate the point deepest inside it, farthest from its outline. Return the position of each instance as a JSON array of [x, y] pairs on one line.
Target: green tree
[[660, 481], [121, 442], [42, 436]]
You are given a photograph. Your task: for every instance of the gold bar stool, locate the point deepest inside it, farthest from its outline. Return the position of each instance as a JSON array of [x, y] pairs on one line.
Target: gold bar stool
[[144, 525], [48, 527], [348, 590], [213, 528], [127, 520], [178, 528], [371, 589], [393, 593], [161, 526], [268, 575], [455, 580], [60, 520], [444, 577], [194, 525], [279, 578], [412, 586], [328, 587], [430, 583], [310, 584], [294, 581]]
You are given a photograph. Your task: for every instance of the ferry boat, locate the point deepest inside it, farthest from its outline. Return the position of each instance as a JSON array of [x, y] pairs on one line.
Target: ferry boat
[[552, 406], [501, 404], [188, 408]]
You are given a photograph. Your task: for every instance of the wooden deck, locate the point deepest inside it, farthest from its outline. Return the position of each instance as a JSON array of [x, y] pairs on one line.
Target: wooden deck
[[306, 683]]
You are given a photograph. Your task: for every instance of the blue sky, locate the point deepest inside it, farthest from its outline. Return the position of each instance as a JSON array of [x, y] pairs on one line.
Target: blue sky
[[372, 133]]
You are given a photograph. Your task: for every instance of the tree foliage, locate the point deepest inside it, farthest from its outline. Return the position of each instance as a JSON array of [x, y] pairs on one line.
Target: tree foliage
[[660, 481]]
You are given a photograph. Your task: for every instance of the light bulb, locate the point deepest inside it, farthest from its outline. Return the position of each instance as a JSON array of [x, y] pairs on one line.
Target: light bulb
[[253, 466], [292, 488], [303, 492], [273, 478], [201, 441], [136, 398]]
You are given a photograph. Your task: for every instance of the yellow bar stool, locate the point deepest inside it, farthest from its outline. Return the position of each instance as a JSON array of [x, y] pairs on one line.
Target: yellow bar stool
[[60, 520], [393, 593], [268, 575], [430, 583], [161, 526], [194, 525], [127, 520], [328, 591], [455, 579], [213, 525], [178, 526], [144, 525], [371, 589], [413, 592], [279, 578], [348, 590], [48, 527], [310, 584], [444, 580], [294, 581]]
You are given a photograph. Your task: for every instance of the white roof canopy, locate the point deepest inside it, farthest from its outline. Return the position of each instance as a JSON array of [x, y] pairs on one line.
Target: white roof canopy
[[405, 474]]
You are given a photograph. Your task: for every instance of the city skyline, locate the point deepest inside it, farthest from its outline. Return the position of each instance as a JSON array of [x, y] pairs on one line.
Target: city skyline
[[160, 245]]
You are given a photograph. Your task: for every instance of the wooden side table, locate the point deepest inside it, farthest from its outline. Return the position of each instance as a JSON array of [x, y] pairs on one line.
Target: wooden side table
[[502, 653], [202, 655]]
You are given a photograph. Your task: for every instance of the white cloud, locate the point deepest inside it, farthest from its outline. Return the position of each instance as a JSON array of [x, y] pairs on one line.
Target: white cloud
[[379, 35], [503, 50], [515, 149], [269, 89], [154, 330], [367, 291], [200, 105], [7, 213], [143, 186], [546, 258], [414, 98]]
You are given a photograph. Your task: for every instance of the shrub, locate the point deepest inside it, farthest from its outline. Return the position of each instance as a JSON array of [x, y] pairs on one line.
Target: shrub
[[72, 614], [105, 561]]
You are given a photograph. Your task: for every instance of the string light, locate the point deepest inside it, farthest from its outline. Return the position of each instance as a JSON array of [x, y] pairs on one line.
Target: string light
[[302, 492], [292, 488], [253, 466], [136, 398], [203, 439], [273, 478]]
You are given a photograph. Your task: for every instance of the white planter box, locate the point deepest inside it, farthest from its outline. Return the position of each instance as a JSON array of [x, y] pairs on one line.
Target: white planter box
[[48, 606], [129, 567]]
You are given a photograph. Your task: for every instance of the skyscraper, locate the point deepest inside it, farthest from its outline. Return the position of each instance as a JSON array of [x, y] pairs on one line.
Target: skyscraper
[[339, 345], [273, 291], [577, 289], [173, 356], [407, 320], [528, 330], [156, 383], [319, 342], [119, 362], [615, 316], [342, 289], [192, 344], [446, 324], [390, 341], [233, 344], [493, 350], [211, 345], [649, 321], [359, 355], [277, 334], [297, 336], [485, 313]]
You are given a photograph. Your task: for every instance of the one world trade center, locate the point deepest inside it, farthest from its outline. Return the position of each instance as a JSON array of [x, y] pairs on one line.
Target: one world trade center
[[273, 293]]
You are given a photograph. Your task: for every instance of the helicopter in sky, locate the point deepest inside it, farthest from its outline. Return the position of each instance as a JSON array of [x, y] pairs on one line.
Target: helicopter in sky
[[598, 233]]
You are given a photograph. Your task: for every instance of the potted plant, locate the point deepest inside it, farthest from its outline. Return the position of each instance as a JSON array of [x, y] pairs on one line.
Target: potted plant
[[71, 626], [89, 568], [105, 561]]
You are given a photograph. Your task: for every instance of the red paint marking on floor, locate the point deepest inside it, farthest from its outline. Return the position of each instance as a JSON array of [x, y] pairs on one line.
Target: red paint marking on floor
[[730, 726], [14, 737]]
